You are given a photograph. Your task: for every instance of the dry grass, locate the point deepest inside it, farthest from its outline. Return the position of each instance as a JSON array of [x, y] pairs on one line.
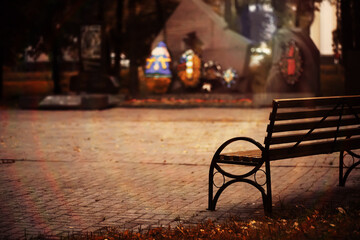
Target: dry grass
[[293, 223]]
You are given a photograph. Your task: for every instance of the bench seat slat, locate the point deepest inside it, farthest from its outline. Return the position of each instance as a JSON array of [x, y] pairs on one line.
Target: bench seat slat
[[250, 156], [254, 156], [254, 163], [313, 124], [319, 101], [314, 114], [314, 149], [314, 136]]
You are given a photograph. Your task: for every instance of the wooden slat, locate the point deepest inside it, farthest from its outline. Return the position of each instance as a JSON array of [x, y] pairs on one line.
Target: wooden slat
[[318, 101], [312, 124], [315, 113], [314, 136], [254, 163], [314, 149], [250, 156]]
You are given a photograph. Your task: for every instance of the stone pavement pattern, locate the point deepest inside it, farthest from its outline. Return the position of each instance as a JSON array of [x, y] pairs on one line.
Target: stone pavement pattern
[[138, 168]]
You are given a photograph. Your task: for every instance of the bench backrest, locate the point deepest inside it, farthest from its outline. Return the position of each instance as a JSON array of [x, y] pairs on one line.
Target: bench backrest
[[311, 126]]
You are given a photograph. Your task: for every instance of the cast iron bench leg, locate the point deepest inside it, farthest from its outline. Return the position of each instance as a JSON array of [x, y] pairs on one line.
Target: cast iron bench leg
[[343, 177], [268, 203], [266, 196], [211, 205]]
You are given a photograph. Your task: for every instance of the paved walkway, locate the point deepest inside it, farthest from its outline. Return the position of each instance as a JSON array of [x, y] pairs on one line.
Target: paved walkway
[[135, 168]]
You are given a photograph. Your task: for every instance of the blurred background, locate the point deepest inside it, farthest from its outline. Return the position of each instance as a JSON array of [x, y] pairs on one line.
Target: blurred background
[[138, 48]]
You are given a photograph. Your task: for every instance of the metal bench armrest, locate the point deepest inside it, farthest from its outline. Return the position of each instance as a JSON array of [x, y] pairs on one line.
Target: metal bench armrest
[[228, 142]]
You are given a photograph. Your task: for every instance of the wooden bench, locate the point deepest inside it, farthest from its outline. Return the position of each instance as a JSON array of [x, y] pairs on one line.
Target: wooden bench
[[297, 128]]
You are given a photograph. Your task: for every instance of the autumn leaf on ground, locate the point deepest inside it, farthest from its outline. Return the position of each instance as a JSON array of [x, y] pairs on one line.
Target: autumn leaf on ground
[[77, 149], [341, 210]]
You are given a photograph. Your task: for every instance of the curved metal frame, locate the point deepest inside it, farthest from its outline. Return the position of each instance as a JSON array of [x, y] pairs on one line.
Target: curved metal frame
[[256, 175], [266, 195], [343, 177], [237, 178], [222, 179]]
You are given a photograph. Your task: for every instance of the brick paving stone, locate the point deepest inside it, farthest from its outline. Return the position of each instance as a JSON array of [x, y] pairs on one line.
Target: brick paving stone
[[79, 171]]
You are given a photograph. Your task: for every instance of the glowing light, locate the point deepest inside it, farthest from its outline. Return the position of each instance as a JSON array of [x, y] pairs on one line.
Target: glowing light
[[255, 60], [267, 8], [252, 7]]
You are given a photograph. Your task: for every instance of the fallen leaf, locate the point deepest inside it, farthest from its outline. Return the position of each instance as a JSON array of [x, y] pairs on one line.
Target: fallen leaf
[[296, 225], [341, 210], [77, 149]]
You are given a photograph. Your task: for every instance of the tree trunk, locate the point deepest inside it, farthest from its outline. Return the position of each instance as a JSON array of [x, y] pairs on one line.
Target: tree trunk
[[280, 11], [160, 17], [55, 61], [100, 12], [350, 41], [304, 15], [118, 34], [131, 30], [243, 24], [229, 14], [1, 70], [2, 45]]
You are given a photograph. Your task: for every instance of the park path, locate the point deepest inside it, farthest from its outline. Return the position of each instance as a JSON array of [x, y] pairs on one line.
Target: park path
[[63, 172]]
